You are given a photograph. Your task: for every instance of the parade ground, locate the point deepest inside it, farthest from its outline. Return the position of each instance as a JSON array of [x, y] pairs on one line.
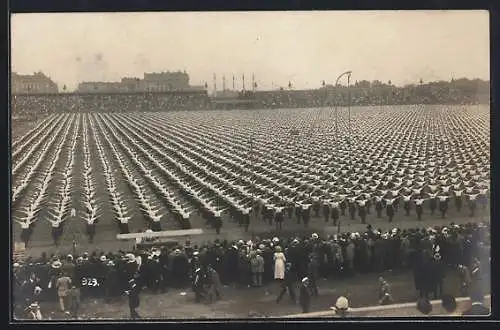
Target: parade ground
[[236, 302], [153, 180], [105, 161]]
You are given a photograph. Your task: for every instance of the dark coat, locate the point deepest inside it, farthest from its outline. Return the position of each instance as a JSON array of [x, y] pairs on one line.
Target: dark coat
[[290, 277], [133, 297], [74, 299], [304, 295], [112, 282]]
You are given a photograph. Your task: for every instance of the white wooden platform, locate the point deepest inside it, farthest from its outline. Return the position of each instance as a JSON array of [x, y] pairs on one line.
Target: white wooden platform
[[166, 233]]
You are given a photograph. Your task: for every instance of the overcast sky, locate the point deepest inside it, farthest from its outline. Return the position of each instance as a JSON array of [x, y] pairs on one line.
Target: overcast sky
[[303, 47]]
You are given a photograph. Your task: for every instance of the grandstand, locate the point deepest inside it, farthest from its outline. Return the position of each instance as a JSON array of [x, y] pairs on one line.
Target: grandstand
[[461, 91]]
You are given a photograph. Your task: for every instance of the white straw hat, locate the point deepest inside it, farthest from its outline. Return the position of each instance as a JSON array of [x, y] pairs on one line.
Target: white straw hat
[[342, 304], [56, 264]]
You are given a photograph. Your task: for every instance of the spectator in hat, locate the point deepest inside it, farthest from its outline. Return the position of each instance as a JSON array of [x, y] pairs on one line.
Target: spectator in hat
[[477, 275], [63, 285], [33, 311], [312, 273], [438, 272], [305, 293], [112, 282], [260, 267], [465, 280], [477, 308], [28, 287], [287, 284], [341, 306], [384, 296], [133, 299], [180, 267], [165, 271], [156, 272], [198, 284], [56, 266], [74, 301], [424, 306], [214, 281], [257, 263], [37, 293], [279, 264], [423, 274], [69, 267]]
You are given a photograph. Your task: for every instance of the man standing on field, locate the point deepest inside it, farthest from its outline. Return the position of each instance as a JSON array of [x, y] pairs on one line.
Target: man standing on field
[[63, 285]]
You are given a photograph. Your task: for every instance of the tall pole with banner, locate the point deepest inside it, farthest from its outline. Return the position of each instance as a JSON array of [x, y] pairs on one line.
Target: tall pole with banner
[[348, 74]]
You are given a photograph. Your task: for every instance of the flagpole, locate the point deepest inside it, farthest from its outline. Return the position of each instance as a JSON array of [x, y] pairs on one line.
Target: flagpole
[[215, 85], [348, 73]]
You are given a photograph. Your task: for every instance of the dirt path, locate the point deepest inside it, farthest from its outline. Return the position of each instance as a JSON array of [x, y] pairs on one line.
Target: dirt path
[[242, 303]]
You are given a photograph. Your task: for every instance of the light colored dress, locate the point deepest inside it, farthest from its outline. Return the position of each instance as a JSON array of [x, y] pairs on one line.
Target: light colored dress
[[279, 266], [63, 284]]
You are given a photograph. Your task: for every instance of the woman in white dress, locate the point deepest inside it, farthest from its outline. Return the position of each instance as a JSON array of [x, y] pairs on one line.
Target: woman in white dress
[[279, 264]]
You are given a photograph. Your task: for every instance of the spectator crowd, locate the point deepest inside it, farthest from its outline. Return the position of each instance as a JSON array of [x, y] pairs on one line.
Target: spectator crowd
[[366, 93], [31, 106], [363, 93], [429, 253]]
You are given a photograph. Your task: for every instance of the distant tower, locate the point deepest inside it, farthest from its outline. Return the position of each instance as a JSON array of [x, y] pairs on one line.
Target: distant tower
[[233, 82], [243, 78], [223, 83], [253, 82], [215, 85], [80, 70]]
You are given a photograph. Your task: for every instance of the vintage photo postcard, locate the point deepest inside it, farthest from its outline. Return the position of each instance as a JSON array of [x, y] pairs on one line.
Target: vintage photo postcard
[[245, 165]]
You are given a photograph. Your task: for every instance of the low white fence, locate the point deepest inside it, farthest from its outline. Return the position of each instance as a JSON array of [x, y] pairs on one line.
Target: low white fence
[[395, 310]]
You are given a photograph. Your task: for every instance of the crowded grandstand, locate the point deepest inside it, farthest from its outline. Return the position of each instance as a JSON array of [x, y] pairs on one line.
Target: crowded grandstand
[[363, 93]]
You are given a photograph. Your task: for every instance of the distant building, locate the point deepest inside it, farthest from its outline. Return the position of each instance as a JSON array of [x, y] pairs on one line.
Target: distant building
[[152, 82], [38, 83], [166, 81], [132, 84], [101, 87]]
